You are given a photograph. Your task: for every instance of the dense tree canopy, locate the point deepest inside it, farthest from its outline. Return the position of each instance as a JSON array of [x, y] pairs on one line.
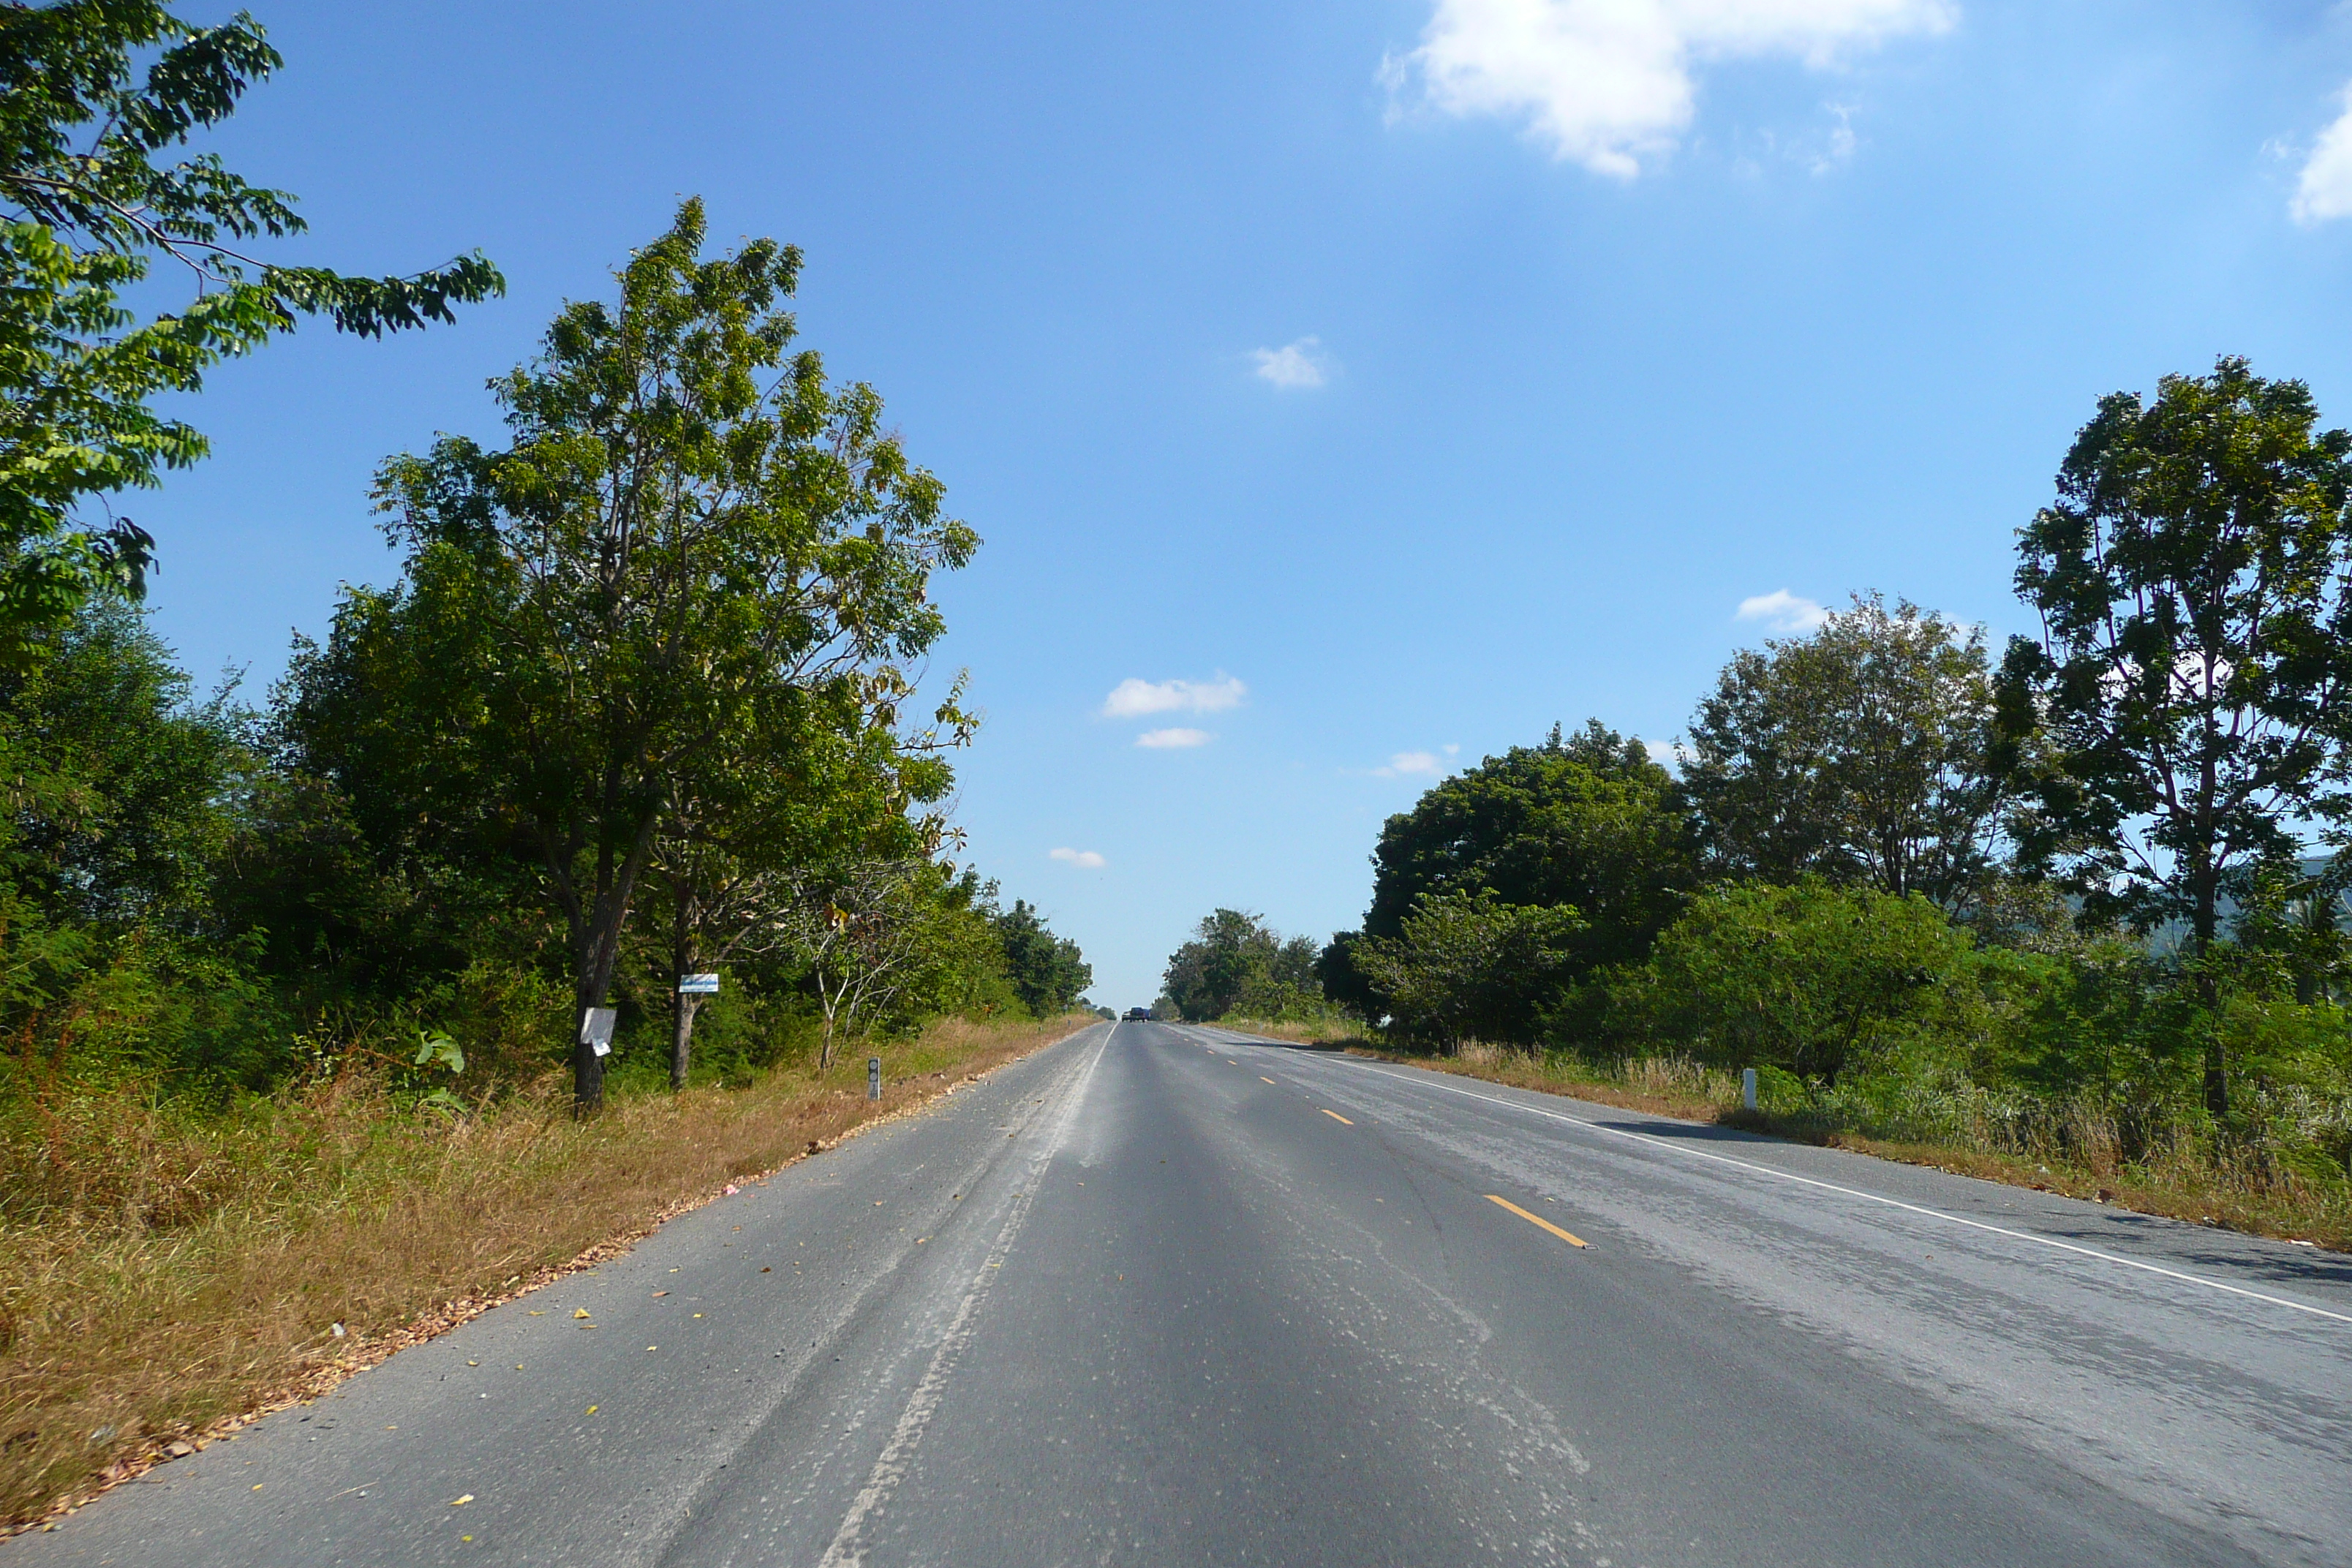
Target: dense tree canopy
[[693, 545], [1047, 972], [2195, 591], [86, 209], [1236, 963], [1857, 753]]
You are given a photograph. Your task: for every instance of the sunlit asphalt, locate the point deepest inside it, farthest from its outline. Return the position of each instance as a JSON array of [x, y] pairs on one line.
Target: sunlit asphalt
[[1162, 1294]]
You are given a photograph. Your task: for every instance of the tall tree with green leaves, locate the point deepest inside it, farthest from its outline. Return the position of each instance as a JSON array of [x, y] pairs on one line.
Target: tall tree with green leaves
[[86, 210], [1858, 753], [1048, 973], [809, 778], [1586, 821], [2191, 678], [690, 523], [1235, 963]]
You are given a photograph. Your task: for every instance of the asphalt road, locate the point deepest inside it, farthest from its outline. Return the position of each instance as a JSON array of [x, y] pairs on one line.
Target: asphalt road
[[1159, 1295]]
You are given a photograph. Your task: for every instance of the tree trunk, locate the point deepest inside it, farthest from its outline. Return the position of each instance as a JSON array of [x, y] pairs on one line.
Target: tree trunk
[[683, 954], [599, 950], [2207, 921], [681, 1031], [587, 1067]]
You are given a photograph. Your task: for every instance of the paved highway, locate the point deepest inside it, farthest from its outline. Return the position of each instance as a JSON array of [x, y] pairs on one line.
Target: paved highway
[[1162, 1295]]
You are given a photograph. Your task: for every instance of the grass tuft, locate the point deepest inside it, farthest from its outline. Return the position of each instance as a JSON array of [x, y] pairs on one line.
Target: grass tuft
[[165, 1273]]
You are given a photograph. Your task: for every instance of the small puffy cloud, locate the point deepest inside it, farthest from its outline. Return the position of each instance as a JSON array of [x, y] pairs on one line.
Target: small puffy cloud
[[1407, 762], [1665, 753], [1611, 83], [1295, 366], [1134, 699], [1084, 860], [1173, 740], [2324, 189], [1781, 611]]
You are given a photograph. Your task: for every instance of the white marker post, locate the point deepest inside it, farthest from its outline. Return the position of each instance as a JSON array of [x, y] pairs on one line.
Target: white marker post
[[1748, 1087]]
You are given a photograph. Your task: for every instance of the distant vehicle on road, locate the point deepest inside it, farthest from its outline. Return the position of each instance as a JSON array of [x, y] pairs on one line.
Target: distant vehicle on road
[[1139, 1015]]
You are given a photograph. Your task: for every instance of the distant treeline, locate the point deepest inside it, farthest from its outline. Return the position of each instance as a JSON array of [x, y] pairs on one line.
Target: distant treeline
[[2093, 883]]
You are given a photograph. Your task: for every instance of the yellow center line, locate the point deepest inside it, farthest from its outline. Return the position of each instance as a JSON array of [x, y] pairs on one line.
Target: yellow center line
[[1538, 1219], [1335, 1116]]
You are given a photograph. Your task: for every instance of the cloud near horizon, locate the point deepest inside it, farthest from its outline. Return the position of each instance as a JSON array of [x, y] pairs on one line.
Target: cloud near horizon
[[1297, 366], [1084, 860], [1135, 699], [1781, 611], [1609, 84], [1173, 740], [1408, 762], [2323, 190]]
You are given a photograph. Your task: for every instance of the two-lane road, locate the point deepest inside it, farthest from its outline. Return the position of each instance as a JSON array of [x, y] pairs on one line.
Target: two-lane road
[[1163, 1295]]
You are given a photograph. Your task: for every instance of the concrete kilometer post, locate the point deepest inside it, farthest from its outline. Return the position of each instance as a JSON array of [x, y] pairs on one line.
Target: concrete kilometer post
[[873, 1078], [1748, 1087]]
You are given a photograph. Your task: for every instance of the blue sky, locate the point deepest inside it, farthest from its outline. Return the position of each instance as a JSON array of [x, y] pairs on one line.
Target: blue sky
[[1352, 389]]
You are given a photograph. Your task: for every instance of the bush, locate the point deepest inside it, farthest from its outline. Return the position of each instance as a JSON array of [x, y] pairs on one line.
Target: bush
[[1811, 979]]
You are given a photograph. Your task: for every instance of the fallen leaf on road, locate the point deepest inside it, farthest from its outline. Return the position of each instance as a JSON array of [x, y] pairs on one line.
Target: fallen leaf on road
[[658, 1347], [473, 1364], [461, 1501], [579, 1311], [538, 1314], [661, 1292], [592, 1410], [258, 1485], [767, 1272]]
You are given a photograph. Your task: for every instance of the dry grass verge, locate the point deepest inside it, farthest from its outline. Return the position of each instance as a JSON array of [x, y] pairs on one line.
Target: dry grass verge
[[2189, 1185], [162, 1279]]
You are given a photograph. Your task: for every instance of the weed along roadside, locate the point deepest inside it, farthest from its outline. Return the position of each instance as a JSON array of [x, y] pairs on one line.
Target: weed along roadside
[[197, 1271]]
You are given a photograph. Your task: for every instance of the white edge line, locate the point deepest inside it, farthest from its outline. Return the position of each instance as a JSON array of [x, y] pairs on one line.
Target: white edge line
[[1656, 1142]]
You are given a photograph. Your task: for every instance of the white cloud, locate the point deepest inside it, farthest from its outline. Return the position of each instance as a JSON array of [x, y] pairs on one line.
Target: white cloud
[[1134, 699], [1084, 860], [1173, 740], [1405, 762], [1781, 611], [2324, 189], [1608, 83], [1295, 366], [1665, 753]]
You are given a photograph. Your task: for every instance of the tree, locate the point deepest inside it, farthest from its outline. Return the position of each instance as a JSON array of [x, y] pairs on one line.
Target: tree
[[115, 775], [1588, 822], [86, 212], [1808, 977], [1858, 754], [1048, 973], [876, 932], [810, 779], [2189, 681], [1466, 966], [689, 523], [1237, 962]]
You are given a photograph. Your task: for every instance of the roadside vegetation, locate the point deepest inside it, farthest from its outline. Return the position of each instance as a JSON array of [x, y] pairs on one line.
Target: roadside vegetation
[[169, 1269], [323, 1008], [2073, 916]]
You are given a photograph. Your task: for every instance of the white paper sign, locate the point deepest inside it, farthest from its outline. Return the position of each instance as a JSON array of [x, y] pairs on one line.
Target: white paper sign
[[597, 1029], [698, 985]]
